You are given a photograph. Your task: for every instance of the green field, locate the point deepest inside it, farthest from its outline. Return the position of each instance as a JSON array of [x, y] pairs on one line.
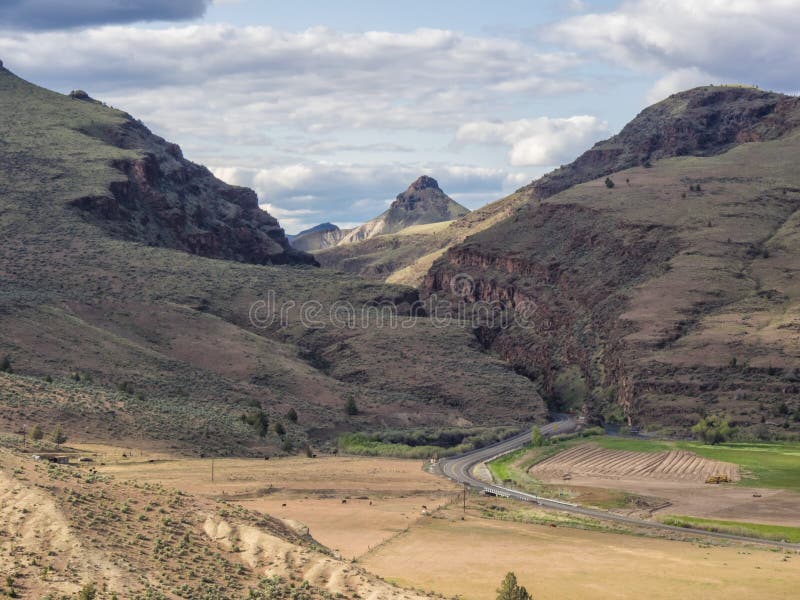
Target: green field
[[770, 465], [764, 464], [756, 530]]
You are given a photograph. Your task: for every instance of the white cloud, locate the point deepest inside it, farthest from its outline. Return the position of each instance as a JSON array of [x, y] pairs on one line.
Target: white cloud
[[744, 41], [536, 142], [677, 81], [222, 80]]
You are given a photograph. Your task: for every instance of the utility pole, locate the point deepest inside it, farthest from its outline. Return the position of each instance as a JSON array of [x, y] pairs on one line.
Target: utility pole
[[465, 498], [212, 469]]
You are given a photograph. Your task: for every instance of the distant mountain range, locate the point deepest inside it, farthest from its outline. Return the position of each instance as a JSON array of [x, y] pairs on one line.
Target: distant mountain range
[[324, 235]]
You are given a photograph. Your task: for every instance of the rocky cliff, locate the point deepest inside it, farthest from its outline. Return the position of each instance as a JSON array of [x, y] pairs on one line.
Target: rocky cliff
[[168, 201], [636, 296], [700, 122]]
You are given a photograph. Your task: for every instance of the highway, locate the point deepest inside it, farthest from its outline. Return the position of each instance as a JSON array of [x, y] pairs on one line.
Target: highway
[[458, 469]]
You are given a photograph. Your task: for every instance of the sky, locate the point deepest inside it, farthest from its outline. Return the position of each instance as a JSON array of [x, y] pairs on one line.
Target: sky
[[330, 109]]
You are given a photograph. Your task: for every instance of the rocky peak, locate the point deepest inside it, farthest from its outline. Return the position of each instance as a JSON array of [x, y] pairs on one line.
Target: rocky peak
[[702, 121], [424, 193], [424, 182]]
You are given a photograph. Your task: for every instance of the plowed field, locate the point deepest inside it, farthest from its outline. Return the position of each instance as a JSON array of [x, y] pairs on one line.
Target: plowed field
[[589, 460]]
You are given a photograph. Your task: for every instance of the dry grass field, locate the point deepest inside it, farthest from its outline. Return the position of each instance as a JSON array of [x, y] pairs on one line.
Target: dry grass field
[[65, 530], [348, 504], [468, 558]]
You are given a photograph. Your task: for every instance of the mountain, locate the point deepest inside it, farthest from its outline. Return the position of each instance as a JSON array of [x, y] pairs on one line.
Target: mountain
[[141, 299], [422, 203], [656, 278], [161, 199], [324, 235], [409, 229], [703, 122], [700, 122]]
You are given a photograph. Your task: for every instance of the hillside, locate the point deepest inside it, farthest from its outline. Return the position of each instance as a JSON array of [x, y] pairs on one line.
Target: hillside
[[324, 235], [702, 123], [106, 320], [670, 291], [70, 529], [135, 185]]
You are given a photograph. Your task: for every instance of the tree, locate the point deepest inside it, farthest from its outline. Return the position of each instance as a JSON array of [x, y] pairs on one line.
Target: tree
[[280, 429], [292, 415], [350, 408], [57, 436], [511, 590], [537, 439], [5, 365], [258, 420], [713, 430], [36, 433], [609, 183]]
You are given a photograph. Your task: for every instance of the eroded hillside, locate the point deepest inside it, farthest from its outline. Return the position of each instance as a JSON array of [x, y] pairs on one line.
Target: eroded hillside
[[93, 307], [69, 529], [669, 291]]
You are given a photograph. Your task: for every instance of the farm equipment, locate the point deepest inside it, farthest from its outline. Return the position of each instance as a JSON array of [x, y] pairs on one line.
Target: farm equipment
[[718, 479]]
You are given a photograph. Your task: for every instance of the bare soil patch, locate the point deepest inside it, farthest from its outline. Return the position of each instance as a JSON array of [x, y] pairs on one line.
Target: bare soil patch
[[589, 460], [349, 504]]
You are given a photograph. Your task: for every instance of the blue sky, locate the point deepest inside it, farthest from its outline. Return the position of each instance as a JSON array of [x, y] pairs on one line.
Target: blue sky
[[328, 110]]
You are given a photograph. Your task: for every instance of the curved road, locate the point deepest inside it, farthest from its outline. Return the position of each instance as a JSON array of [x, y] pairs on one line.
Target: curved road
[[458, 468]]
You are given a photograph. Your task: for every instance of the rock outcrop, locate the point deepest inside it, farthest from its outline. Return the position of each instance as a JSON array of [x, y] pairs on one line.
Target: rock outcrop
[[700, 122], [168, 201]]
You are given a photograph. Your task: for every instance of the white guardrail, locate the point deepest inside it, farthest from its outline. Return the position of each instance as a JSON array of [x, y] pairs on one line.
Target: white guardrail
[[507, 493]]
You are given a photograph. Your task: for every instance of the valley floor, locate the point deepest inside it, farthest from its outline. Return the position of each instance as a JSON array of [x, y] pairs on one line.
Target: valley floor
[[405, 525], [387, 516]]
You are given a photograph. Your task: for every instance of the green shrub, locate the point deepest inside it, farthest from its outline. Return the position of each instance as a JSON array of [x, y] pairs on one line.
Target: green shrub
[[537, 439], [713, 430], [5, 365], [350, 407], [421, 443], [258, 420], [88, 592]]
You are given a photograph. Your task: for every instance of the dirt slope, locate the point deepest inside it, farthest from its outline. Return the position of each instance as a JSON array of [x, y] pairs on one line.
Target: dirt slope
[[65, 527]]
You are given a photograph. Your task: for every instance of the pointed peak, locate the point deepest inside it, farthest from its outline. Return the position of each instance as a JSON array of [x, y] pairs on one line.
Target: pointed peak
[[423, 183]]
